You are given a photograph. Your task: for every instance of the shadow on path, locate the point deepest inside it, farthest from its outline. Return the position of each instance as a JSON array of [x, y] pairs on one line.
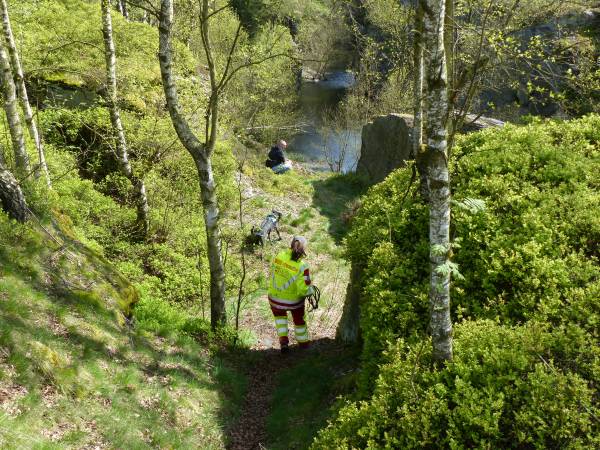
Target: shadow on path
[[289, 396], [333, 198]]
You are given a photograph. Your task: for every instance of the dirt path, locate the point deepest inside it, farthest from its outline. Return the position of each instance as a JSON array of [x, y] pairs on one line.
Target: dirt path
[[330, 273], [250, 432]]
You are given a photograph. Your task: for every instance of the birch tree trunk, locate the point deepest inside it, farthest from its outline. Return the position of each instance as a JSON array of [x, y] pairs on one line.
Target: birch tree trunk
[[22, 90], [419, 75], [201, 153], [11, 196], [12, 114], [122, 6], [143, 221], [436, 107]]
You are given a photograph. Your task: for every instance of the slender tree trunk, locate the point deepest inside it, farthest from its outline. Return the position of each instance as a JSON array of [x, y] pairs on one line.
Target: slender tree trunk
[[143, 221], [201, 153], [438, 178], [22, 90], [12, 114], [208, 195], [122, 7], [419, 74], [11, 196]]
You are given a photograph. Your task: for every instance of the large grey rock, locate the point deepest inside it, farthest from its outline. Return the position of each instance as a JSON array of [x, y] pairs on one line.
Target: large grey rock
[[385, 146]]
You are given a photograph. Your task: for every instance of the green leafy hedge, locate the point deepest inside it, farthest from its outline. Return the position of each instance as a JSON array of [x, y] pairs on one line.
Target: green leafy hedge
[[507, 387], [526, 229]]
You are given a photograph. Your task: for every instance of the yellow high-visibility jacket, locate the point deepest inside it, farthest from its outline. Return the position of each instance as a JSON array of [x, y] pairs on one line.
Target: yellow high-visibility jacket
[[289, 282]]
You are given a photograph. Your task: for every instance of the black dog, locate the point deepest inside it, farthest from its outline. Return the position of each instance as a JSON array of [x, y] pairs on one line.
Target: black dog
[[260, 235]]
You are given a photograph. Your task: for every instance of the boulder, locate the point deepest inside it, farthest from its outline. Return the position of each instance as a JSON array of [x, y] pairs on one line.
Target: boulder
[[385, 146]]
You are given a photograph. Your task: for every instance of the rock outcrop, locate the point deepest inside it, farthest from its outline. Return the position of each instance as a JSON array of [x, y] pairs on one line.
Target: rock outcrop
[[385, 146]]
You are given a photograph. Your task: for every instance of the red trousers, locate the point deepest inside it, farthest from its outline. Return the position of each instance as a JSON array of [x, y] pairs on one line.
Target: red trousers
[[299, 323]]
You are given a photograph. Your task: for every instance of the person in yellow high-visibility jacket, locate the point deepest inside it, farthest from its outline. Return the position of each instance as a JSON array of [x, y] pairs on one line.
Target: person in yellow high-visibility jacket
[[288, 286]]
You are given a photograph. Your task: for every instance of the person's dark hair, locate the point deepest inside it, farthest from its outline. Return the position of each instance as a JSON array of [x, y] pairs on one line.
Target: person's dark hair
[[298, 250]]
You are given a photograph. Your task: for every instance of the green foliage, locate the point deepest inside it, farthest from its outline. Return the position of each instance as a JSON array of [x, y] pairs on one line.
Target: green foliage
[[73, 374], [61, 42], [159, 316], [251, 14], [531, 253], [506, 387], [525, 241], [102, 208]]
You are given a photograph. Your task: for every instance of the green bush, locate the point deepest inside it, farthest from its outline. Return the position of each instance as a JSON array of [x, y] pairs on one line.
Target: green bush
[[525, 235], [507, 387], [525, 231]]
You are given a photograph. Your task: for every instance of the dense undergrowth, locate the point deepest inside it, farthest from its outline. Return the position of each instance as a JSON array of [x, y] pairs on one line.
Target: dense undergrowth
[[526, 300]]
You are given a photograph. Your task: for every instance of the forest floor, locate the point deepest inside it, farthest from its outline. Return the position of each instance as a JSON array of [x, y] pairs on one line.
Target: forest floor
[[289, 397]]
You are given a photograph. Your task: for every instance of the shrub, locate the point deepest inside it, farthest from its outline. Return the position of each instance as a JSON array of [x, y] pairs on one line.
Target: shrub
[[525, 232], [507, 387]]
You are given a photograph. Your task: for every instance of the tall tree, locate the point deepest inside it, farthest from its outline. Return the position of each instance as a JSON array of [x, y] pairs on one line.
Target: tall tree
[[418, 98], [19, 79], [436, 158], [12, 114], [200, 151], [143, 221]]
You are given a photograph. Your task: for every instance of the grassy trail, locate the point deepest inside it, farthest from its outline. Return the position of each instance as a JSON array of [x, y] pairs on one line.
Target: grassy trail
[[289, 396]]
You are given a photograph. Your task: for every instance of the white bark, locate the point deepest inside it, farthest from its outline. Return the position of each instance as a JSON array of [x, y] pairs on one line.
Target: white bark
[[436, 108], [143, 220], [12, 114], [122, 6], [22, 90], [201, 153]]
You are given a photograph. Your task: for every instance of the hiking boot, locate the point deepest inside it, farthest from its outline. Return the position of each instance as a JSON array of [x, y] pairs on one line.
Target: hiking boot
[[285, 348]]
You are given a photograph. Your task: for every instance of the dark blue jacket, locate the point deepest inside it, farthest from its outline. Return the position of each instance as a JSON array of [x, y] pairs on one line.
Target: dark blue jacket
[[276, 156]]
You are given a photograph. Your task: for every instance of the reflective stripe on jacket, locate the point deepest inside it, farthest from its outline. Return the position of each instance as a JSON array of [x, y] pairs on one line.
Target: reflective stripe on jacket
[[289, 281]]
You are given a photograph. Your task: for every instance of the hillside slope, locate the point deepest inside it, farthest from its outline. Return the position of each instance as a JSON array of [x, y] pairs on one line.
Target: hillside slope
[[74, 374]]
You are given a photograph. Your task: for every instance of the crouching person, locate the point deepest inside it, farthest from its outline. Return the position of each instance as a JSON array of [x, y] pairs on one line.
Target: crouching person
[[276, 158], [289, 285]]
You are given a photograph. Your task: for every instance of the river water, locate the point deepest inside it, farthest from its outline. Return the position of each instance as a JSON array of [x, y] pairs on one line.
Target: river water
[[320, 145]]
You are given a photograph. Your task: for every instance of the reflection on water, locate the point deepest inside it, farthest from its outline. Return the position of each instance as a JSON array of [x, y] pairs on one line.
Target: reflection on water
[[330, 149], [336, 150]]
